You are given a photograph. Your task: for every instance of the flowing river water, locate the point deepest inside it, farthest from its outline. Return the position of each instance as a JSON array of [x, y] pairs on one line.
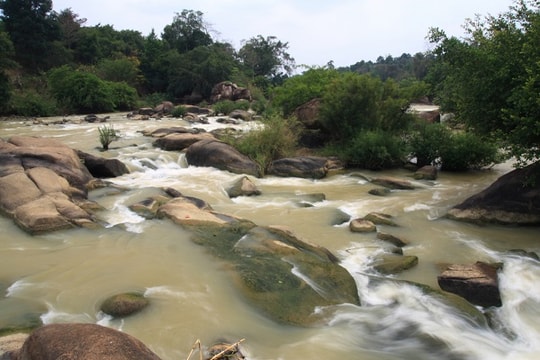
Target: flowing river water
[[64, 276]]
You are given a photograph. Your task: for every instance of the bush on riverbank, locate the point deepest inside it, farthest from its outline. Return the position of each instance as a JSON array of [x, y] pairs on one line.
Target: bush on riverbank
[[278, 138], [458, 151]]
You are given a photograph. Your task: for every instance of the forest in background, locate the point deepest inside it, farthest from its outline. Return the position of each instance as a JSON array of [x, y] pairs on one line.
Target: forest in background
[[52, 64]]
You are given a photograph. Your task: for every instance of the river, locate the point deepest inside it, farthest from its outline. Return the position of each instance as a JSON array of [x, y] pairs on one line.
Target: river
[[64, 276]]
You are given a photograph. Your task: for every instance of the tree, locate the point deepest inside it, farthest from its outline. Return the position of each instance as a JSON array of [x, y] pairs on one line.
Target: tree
[[356, 102], [266, 57], [491, 79], [32, 28], [7, 52], [187, 31]]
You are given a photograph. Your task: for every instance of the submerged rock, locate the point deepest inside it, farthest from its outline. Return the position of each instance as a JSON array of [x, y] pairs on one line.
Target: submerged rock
[[281, 275], [394, 240], [514, 199], [393, 263], [125, 304], [81, 341], [393, 183]]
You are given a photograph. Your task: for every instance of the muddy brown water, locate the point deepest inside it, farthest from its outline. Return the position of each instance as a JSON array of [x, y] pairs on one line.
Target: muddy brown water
[[64, 276]]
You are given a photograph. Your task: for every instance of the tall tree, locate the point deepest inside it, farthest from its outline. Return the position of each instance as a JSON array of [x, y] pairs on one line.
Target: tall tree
[[187, 31], [32, 28], [491, 79], [266, 57]]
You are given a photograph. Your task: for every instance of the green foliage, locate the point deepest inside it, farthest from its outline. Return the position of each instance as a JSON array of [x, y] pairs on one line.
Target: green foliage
[[32, 29], [266, 57], [123, 95], [187, 31], [227, 106], [119, 70], [426, 143], [107, 134], [398, 68], [277, 139], [491, 79], [468, 151], [458, 151], [371, 149], [83, 92], [353, 102], [178, 111], [30, 103], [300, 89]]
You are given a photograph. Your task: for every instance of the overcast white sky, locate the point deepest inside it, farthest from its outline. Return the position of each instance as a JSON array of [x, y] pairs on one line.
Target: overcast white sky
[[344, 31]]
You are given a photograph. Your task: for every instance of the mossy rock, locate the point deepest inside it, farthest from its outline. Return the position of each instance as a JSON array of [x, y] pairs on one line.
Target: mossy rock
[[393, 264], [125, 304]]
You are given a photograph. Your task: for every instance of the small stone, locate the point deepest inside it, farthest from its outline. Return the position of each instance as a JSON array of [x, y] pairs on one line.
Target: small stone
[[362, 226]]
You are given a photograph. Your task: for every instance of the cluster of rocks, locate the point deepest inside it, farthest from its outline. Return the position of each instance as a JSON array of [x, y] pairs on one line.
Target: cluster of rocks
[[44, 186]]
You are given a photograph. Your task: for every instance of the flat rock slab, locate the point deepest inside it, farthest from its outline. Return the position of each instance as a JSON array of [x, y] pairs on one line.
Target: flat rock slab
[[477, 283]]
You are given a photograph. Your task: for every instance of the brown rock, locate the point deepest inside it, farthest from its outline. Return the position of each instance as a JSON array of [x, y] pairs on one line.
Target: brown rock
[[181, 141], [427, 172], [513, 199], [243, 187], [220, 155], [82, 341], [308, 167], [362, 226], [393, 183], [380, 219], [478, 283], [391, 239]]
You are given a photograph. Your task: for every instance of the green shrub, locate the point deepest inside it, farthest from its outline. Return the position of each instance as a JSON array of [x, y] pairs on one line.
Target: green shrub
[[124, 96], [427, 142], [79, 91], [107, 134], [374, 150], [32, 104], [468, 151], [227, 106], [458, 151], [178, 111], [277, 139]]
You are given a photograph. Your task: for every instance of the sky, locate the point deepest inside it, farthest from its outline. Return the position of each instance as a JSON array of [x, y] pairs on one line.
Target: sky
[[317, 31]]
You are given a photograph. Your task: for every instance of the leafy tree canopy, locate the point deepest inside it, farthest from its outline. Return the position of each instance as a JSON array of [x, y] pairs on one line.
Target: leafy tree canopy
[[187, 31], [491, 79], [266, 57]]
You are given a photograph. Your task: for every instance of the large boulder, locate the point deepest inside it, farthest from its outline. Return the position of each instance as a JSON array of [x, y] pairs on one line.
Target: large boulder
[[43, 184], [478, 283], [308, 114], [214, 153], [164, 108], [227, 90], [101, 167], [514, 199], [284, 277], [310, 167], [180, 141], [82, 341]]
